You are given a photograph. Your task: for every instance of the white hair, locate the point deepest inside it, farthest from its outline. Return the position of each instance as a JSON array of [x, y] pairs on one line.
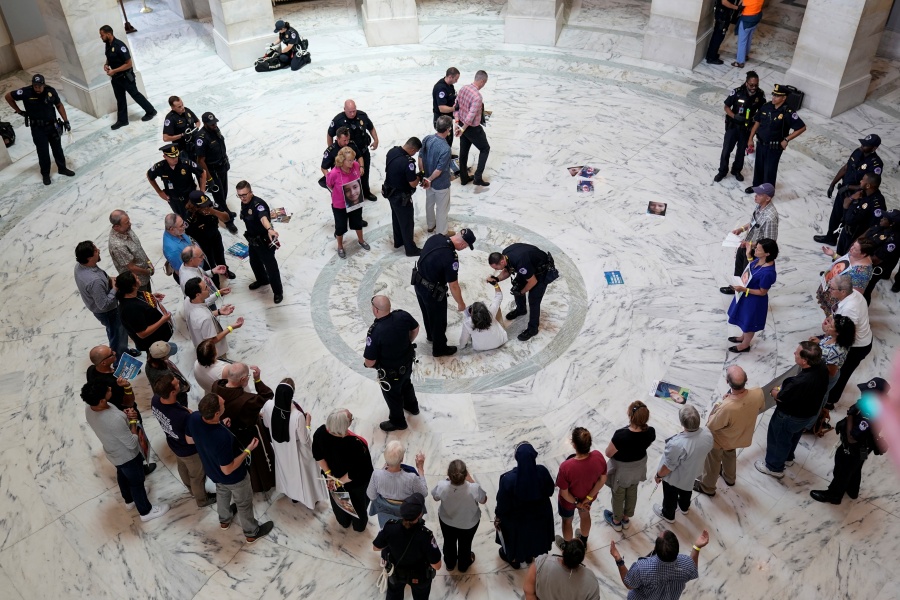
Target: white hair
[[394, 452]]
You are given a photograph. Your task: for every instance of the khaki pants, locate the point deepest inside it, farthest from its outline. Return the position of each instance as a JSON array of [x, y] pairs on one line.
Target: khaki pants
[[624, 500], [717, 459], [190, 469]]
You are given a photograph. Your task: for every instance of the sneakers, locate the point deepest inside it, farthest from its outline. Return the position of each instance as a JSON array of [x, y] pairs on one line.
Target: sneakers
[[561, 542], [227, 524], [155, 512], [262, 532], [341, 253], [657, 510], [762, 468], [129, 506], [607, 514], [626, 522]]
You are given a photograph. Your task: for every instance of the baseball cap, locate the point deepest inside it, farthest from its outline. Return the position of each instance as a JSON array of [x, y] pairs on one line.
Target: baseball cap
[[779, 90], [279, 25], [876, 384], [160, 349], [872, 140], [893, 216], [766, 188], [208, 117], [38, 79], [199, 199], [413, 506], [170, 150], [468, 237]]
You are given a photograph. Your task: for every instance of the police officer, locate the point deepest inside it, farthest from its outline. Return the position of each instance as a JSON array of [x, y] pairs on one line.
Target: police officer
[[360, 126], [262, 240], [213, 156], [177, 174], [341, 139], [400, 183], [863, 160], [741, 107], [858, 440], [723, 14], [776, 125], [411, 549], [886, 237], [41, 103], [180, 125], [390, 350], [292, 50], [533, 270], [202, 220], [119, 68], [862, 210], [436, 272], [443, 97]]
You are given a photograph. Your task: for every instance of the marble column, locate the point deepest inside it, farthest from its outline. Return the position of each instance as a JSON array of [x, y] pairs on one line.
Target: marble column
[[390, 22], [241, 30], [890, 39], [190, 9], [833, 57], [30, 41], [74, 29], [678, 32], [533, 21]]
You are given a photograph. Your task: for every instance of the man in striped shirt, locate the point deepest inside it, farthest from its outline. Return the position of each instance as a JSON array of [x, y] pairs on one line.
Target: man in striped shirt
[[469, 111]]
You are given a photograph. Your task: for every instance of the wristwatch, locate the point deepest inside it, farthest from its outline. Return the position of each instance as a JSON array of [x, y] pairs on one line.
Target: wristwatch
[[620, 562]]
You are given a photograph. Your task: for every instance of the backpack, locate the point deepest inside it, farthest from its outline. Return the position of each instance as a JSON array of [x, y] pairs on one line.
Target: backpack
[[8, 133]]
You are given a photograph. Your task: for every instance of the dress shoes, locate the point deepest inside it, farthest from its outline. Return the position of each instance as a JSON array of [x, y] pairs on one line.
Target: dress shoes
[[825, 239], [719, 177], [448, 351], [715, 61], [232, 228], [371, 197], [67, 172], [748, 190], [230, 274], [728, 290], [527, 335], [699, 489], [738, 176], [388, 426], [46, 179], [149, 116], [736, 351], [118, 126], [735, 340], [278, 298], [257, 284], [481, 182], [722, 475], [149, 468], [464, 180], [416, 252], [822, 496], [514, 315]]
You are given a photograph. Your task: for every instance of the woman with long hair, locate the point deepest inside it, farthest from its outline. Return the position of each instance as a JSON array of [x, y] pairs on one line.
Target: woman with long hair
[[627, 467]]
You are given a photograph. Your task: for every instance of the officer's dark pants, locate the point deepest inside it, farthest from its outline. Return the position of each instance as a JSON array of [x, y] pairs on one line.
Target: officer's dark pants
[[401, 396], [767, 156], [734, 136], [213, 248], [402, 218], [123, 83], [178, 204], [46, 138], [434, 315], [473, 136], [837, 213], [535, 295], [720, 29], [397, 584], [364, 178], [854, 357], [360, 502], [219, 174], [845, 240], [265, 267], [848, 463]]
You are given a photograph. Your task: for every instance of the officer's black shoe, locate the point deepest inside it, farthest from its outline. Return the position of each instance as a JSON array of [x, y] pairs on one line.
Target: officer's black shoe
[[719, 177], [67, 172], [257, 284], [482, 182], [748, 190], [822, 496], [371, 197], [230, 274], [464, 180], [279, 298], [853, 496], [133, 352], [716, 61], [514, 314], [448, 351], [148, 116], [232, 228], [825, 239], [46, 180], [118, 126], [527, 335], [416, 252], [388, 426], [413, 413], [738, 176], [727, 290]]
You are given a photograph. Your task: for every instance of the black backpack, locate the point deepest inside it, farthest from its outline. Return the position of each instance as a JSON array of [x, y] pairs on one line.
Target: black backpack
[[8, 133]]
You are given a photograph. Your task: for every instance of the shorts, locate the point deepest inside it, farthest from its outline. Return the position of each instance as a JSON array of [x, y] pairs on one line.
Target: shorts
[[341, 217], [565, 513]]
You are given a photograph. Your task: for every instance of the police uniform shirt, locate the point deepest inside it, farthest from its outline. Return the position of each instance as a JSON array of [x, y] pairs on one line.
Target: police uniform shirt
[[887, 246], [744, 105], [200, 225], [865, 210], [117, 54], [388, 340], [332, 151], [439, 262], [443, 94], [776, 123], [359, 127], [176, 124], [290, 37], [39, 107], [861, 432], [422, 547], [399, 173], [178, 181], [251, 213], [859, 164], [524, 259], [211, 146]]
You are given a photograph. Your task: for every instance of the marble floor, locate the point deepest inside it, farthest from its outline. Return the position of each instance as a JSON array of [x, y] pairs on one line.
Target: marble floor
[[652, 132]]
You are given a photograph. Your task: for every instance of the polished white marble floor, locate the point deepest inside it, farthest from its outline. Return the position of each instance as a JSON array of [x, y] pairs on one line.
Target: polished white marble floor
[[653, 132]]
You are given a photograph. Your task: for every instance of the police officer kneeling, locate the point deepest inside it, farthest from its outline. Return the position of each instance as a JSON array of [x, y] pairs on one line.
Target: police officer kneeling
[[534, 270], [390, 350], [410, 550]]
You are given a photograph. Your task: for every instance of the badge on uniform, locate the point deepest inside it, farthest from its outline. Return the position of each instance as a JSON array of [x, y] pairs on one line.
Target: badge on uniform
[[863, 425], [780, 117], [325, 155], [124, 49], [878, 212], [167, 122], [795, 116], [456, 266], [891, 247], [199, 141], [877, 170], [261, 208], [368, 341], [523, 271], [865, 205], [412, 167], [441, 95], [183, 172], [49, 94], [863, 167]]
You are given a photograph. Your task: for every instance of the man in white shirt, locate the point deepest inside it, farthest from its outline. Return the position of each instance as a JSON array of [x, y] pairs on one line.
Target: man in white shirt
[[202, 322], [192, 259], [852, 305], [480, 324]]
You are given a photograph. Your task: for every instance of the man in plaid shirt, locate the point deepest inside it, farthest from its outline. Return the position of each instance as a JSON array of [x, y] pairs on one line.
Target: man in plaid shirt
[[763, 224], [469, 110]]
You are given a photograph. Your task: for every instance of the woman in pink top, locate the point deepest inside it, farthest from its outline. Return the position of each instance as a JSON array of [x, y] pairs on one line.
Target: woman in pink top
[[343, 181]]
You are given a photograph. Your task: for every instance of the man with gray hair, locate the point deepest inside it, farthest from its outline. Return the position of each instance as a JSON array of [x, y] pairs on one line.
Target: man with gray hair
[[175, 239], [731, 422], [853, 305], [126, 251], [192, 263], [470, 116], [681, 463], [434, 161]]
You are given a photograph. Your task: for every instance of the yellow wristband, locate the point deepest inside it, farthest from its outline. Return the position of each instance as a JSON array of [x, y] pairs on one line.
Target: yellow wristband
[[247, 451], [132, 422], [590, 498], [696, 548], [257, 381], [230, 329], [328, 472]]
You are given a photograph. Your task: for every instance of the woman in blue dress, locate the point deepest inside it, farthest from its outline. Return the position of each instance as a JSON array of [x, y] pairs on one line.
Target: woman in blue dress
[[751, 302]]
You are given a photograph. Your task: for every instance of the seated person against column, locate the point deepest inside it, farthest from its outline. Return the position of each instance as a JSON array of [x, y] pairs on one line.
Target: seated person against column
[[480, 324]]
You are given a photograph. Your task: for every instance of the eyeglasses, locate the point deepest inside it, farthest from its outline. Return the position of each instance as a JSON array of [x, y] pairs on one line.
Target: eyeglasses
[[111, 354], [240, 195]]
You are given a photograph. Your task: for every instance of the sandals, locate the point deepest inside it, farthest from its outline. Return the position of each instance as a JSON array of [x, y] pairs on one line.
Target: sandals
[[737, 64]]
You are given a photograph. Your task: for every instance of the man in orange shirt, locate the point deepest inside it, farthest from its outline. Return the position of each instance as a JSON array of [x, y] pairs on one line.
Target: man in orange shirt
[[751, 15]]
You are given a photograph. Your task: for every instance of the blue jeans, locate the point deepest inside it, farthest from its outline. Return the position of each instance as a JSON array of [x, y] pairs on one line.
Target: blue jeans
[[745, 36], [783, 436], [130, 476], [115, 331]]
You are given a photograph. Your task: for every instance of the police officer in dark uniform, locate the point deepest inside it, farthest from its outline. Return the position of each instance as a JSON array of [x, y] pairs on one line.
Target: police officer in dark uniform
[[390, 350], [41, 103], [858, 440], [293, 49], [886, 237], [180, 125], [400, 183], [723, 15], [533, 270], [177, 174], [262, 240], [863, 160], [360, 126], [741, 107], [213, 156], [436, 272], [443, 97], [862, 210], [411, 548], [202, 220], [776, 125], [119, 68], [341, 139]]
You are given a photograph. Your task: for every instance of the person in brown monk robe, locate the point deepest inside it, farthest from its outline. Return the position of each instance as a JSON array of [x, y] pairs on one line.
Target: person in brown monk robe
[[243, 407]]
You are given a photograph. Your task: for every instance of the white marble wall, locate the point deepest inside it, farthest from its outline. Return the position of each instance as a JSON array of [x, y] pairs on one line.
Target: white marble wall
[[534, 21], [242, 30], [678, 32], [390, 22]]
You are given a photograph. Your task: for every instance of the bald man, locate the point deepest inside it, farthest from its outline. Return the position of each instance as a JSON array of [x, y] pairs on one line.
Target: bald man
[[360, 126], [731, 421], [390, 350]]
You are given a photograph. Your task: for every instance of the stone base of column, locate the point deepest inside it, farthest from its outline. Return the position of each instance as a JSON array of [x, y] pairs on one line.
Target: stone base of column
[[533, 22], [675, 42], [97, 101], [242, 53], [824, 99], [390, 22]]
